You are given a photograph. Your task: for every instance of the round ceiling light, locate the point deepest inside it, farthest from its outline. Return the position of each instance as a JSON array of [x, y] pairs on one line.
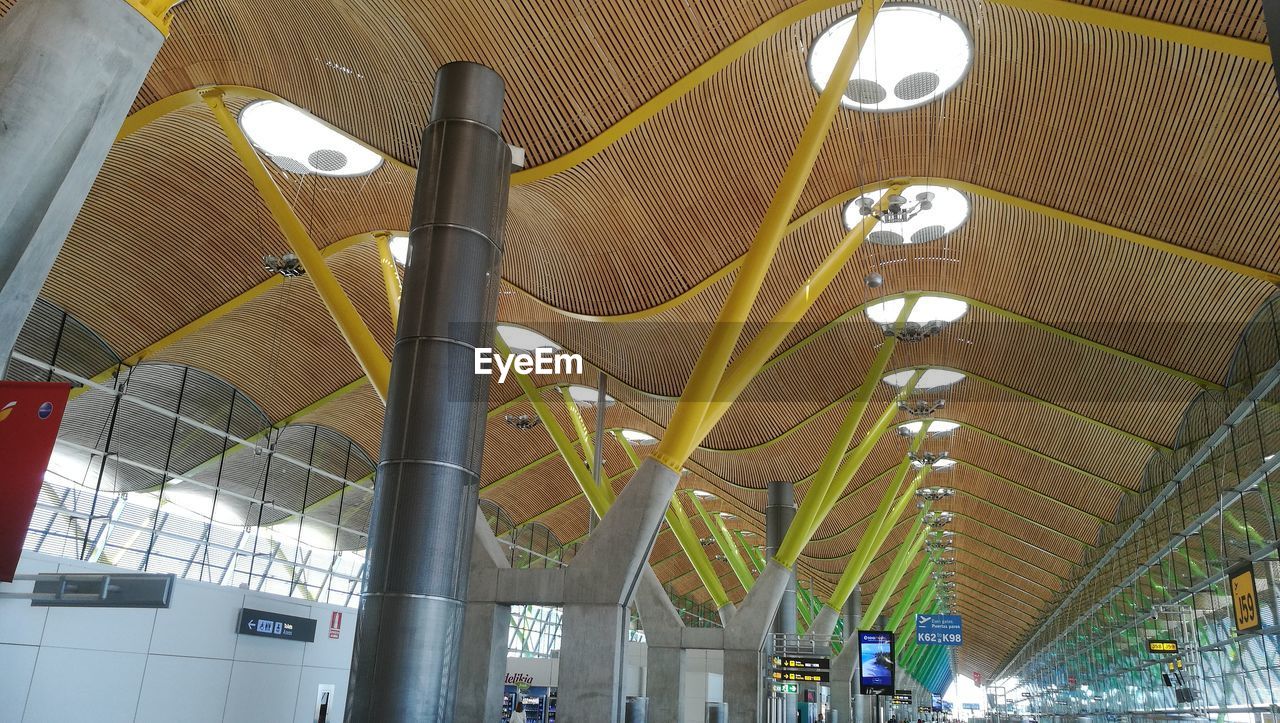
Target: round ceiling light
[[913, 55], [587, 395], [520, 339], [299, 143], [928, 310], [927, 214], [635, 436], [930, 379], [936, 427], [399, 249]]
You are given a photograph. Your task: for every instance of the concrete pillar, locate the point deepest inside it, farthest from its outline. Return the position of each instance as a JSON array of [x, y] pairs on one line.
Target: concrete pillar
[[482, 664], [69, 71], [665, 654], [405, 663], [844, 667], [599, 585]]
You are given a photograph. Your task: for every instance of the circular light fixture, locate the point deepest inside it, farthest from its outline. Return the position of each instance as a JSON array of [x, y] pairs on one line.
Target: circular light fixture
[[924, 214], [936, 427], [635, 436], [703, 494], [520, 339], [587, 395], [928, 310], [930, 379], [912, 56], [399, 249], [299, 143]]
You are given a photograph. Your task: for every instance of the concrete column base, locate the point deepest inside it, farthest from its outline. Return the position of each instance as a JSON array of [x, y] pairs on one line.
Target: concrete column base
[[843, 690], [742, 676], [666, 685], [483, 662], [591, 663]]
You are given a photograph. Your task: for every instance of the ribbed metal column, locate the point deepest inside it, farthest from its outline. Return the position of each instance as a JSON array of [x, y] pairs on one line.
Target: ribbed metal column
[[404, 666], [777, 520], [1271, 14]]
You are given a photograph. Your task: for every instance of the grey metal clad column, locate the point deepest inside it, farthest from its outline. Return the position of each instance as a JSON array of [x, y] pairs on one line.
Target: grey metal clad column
[[405, 662], [1271, 15], [780, 510], [778, 515], [69, 70]]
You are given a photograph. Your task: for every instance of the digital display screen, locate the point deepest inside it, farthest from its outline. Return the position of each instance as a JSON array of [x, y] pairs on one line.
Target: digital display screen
[[276, 625], [803, 676], [876, 671], [1162, 646], [902, 697]]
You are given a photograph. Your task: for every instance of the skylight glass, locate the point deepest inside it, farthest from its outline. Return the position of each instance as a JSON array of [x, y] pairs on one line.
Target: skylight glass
[[703, 494], [912, 56], [928, 309], [936, 426], [520, 339], [587, 395], [299, 143], [399, 249], [635, 436], [944, 463], [930, 212], [930, 379]]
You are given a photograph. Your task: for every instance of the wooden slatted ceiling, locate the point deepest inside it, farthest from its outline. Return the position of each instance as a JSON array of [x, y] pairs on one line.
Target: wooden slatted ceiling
[[619, 234]]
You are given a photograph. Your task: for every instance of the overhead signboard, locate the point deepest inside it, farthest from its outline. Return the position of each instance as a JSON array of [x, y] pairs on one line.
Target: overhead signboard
[[784, 662], [1244, 598], [938, 630], [803, 676], [30, 413], [970, 706], [1162, 646], [877, 658], [903, 697], [275, 625], [786, 688]]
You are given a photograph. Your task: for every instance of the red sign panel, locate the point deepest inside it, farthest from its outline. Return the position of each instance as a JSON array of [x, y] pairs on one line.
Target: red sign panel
[[1071, 680], [30, 413], [977, 678], [335, 624]]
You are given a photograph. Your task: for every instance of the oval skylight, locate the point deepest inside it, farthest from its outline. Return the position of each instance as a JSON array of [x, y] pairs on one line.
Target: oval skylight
[[587, 395], [635, 436], [912, 56], [936, 426], [944, 463], [930, 379], [928, 309], [399, 249], [703, 494], [930, 212], [520, 339], [299, 143]]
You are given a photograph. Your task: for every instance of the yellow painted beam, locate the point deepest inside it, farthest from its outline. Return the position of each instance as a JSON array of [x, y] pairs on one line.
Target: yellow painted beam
[[897, 569], [367, 351], [390, 276], [758, 351], [682, 432], [157, 12], [720, 534], [579, 425]]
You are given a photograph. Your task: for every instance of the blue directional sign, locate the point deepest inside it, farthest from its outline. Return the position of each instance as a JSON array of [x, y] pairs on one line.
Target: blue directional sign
[[938, 630]]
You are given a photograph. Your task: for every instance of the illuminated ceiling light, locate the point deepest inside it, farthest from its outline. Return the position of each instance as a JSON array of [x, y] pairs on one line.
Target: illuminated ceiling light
[[727, 516], [520, 339], [635, 436], [912, 56], [587, 395], [937, 427], [934, 462], [933, 494], [930, 379], [399, 249], [938, 520], [930, 315], [299, 143], [919, 214]]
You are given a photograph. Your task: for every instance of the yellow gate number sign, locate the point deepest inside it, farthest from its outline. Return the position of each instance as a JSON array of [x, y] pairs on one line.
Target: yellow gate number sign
[[1244, 597]]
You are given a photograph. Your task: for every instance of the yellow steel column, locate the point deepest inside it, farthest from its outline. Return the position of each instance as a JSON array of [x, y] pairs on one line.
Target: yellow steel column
[[390, 276], [579, 425], [720, 534], [681, 437], [898, 568], [367, 351], [158, 12]]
